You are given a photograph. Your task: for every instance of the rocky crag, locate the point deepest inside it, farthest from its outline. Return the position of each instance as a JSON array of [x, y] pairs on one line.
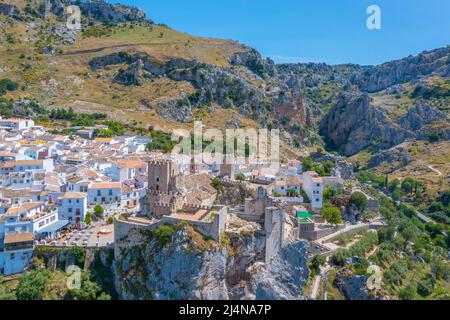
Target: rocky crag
[[184, 265], [353, 124]]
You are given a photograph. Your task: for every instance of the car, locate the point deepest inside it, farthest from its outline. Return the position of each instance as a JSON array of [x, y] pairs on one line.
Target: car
[[54, 243], [85, 243], [74, 243], [43, 242], [65, 243]]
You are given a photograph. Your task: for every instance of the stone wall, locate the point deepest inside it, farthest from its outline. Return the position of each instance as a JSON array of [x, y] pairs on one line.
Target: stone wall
[[274, 228], [212, 229]]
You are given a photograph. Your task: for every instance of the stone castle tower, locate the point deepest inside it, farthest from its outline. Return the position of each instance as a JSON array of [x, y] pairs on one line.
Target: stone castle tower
[[166, 190]]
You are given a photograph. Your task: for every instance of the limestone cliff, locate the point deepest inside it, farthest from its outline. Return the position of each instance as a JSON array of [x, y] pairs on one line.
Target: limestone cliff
[[184, 265], [404, 70], [354, 124]]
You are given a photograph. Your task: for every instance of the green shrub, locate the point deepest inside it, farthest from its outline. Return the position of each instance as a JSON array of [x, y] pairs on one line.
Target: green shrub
[[33, 285], [164, 234]]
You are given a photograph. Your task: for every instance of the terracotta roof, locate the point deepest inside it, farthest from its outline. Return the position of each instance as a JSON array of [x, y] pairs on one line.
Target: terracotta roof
[[27, 206], [19, 237], [103, 140], [110, 185], [130, 163], [28, 162], [75, 195]]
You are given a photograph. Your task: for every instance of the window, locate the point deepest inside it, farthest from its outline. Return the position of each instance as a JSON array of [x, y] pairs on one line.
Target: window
[[70, 210], [99, 193], [110, 192]]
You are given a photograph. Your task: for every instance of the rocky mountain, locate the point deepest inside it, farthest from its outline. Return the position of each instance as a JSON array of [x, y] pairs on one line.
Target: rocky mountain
[[186, 266], [353, 124], [136, 71], [381, 77]]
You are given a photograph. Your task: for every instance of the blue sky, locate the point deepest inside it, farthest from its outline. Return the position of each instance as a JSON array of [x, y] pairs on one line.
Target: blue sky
[[331, 31]]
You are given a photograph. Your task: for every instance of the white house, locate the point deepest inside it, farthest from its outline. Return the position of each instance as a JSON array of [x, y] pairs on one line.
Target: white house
[[18, 227], [16, 124], [73, 207], [34, 165], [17, 252], [126, 169], [313, 186], [105, 192]]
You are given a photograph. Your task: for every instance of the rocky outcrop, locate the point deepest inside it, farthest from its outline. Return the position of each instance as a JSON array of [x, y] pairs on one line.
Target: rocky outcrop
[[190, 267], [285, 276], [179, 109], [340, 163], [396, 157], [354, 287], [225, 86], [133, 75], [421, 115], [253, 61], [404, 70], [8, 10], [353, 124], [98, 10]]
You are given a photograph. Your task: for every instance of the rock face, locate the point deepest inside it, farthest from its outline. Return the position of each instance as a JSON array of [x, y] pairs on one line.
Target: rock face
[[188, 267], [421, 115], [98, 10], [396, 157], [134, 75], [252, 60], [284, 277], [353, 287], [353, 124], [400, 71], [8, 10], [227, 87], [340, 163]]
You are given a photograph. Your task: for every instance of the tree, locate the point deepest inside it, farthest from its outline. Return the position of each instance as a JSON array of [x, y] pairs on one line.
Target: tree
[[445, 198], [164, 234], [307, 164], [409, 233], [98, 210], [359, 200], [332, 214], [408, 185], [408, 292], [386, 234], [215, 183], [88, 291], [317, 261], [6, 294], [88, 218], [393, 185], [33, 285], [292, 193], [240, 177]]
